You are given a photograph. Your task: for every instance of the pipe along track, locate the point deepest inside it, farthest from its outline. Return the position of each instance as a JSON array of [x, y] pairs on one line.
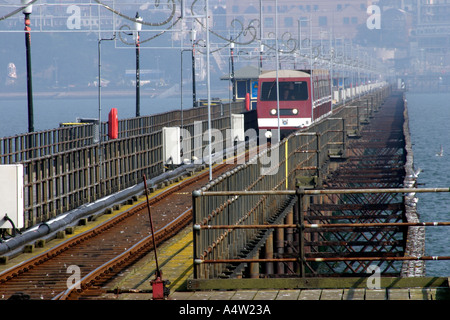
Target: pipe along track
[[101, 253]]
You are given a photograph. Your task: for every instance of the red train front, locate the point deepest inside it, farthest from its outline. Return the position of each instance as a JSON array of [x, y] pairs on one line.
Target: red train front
[[297, 110]]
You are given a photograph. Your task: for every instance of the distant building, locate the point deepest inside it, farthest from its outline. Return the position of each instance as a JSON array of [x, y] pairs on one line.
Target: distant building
[[339, 16], [430, 44]]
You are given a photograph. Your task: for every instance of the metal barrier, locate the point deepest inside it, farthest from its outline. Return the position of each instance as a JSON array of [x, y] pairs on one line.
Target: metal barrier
[[300, 159], [43, 143], [300, 258], [64, 168], [39, 144]]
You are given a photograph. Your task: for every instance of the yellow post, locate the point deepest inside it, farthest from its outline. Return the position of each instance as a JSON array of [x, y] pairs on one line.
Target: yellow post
[[286, 154]]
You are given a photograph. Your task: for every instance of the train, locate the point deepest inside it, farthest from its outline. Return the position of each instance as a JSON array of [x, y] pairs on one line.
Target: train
[[299, 103]]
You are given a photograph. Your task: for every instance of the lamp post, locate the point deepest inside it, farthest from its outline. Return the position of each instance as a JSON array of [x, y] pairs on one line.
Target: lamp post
[[261, 52], [208, 88], [277, 69], [193, 38], [194, 93], [137, 29], [100, 132], [27, 11], [233, 81], [181, 84]]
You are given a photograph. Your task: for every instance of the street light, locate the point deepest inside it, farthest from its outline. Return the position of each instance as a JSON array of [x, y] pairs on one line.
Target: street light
[[193, 35], [100, 133], [27, 11], [261, 52], [194, 93], [277, 68], [233, 81], [208, 88], [137, 29], [181, 84]]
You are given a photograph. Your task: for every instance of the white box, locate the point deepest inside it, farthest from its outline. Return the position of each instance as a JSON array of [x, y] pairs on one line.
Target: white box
[[11, 195], [237, 127], [171, 145]]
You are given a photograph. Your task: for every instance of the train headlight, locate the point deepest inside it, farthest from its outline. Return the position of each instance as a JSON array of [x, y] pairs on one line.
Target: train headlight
[[273, 112], [268, 134], [294, 111]]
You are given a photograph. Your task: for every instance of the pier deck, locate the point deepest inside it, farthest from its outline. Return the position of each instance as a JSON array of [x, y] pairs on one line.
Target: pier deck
[[177, 267], [348, 151]]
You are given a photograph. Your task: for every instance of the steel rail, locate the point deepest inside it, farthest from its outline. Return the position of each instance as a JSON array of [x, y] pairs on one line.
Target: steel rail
[[331, 259], [323, 225], [116, 263], [28, 264], [380, 224], [320, 191], [35, 262], [162, 234]]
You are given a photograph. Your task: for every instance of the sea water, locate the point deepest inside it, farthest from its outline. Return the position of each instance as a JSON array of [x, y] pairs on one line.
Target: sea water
[[429, 123], [49, 113]]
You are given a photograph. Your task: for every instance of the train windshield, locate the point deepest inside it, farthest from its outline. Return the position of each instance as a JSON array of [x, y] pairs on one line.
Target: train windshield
[[289, 91]]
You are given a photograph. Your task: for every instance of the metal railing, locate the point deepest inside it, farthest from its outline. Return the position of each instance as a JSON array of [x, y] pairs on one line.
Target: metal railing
[[65, 168], [39, 144], [266, 181], [302, 226]]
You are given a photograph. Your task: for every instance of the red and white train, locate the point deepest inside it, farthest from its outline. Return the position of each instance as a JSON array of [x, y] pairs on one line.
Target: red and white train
[[299, 104]]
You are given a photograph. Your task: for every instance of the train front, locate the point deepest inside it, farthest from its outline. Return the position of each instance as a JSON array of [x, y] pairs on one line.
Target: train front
[[294, 101]]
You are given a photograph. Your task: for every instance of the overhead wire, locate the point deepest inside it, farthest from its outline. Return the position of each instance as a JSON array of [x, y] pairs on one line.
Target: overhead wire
[[17, 10]]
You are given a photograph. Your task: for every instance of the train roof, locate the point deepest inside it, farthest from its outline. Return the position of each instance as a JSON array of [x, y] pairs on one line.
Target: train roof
[[284, 73]]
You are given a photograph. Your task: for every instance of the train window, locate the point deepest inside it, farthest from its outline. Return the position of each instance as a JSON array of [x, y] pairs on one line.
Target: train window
[[241, 89], [289, 91]]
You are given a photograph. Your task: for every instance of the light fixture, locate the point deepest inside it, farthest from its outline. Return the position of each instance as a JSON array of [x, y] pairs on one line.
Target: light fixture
[[137, 26], [27, 9], [137, 29], [193, 35]]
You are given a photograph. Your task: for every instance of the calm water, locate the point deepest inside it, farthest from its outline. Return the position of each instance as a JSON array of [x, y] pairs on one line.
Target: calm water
[[429, 116], [429, 121], [49, 113]]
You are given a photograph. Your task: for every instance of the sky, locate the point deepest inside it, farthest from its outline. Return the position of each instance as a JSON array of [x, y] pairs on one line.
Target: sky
[[394, 37]]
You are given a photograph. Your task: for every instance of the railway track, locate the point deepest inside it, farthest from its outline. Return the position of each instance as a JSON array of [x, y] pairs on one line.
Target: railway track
[[99, 254]]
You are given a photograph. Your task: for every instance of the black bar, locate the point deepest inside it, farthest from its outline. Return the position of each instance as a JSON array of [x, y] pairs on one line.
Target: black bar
[[29, 73]]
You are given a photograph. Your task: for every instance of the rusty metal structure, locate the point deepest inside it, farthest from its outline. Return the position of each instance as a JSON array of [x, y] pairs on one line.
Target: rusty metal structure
[[375, 159], [340, 202]]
